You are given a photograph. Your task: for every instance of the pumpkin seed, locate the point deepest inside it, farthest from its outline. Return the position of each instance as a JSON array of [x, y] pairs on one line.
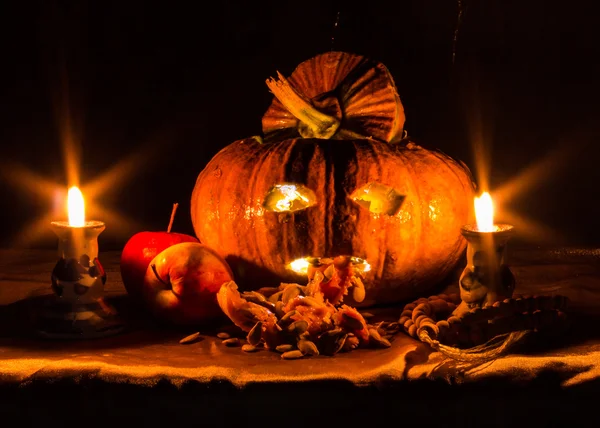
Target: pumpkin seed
[[290, 293], [373, 333], [352, 322], [377, 339], [284, 348], [268, 291], [292, 355], [234, 341], [384, 342], [367, 315], [332, 341], [352, 342], [253, 296], [287, 318], [308, 347], [332, 332], [247, 313], [312, 302], [223, 335], [298, 327], [358, 282], [358, 294], [273, 298], [329, 272], [255, 334], [279, 309], [250, 348], [190, 339], [393, 325], [305, 335], [258, 299]]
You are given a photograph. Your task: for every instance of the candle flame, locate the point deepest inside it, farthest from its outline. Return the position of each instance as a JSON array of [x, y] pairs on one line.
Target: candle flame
[[76, 207], [484, 212]]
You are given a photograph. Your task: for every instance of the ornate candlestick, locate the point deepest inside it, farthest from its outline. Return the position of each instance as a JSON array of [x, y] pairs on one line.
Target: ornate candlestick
[[486, 278], [78, 309]]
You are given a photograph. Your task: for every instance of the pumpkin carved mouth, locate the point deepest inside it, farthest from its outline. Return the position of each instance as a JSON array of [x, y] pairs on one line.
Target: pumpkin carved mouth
[[334, 276], [303, 264]]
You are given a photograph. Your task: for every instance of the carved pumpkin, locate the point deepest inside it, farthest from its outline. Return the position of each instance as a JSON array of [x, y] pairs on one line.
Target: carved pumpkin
[[395, 209]]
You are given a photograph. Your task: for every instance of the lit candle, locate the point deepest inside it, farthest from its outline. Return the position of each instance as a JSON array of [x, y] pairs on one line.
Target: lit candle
[[486, 278], [78, 238], [78, 279]]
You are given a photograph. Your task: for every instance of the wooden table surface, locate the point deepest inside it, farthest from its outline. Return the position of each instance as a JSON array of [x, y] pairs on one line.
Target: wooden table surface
[[149, 356]]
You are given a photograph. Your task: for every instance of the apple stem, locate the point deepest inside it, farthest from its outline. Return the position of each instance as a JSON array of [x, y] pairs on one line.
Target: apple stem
[[175, 205]]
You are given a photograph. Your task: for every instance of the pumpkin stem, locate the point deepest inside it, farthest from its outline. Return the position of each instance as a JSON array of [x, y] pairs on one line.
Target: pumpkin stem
[[313, 123]]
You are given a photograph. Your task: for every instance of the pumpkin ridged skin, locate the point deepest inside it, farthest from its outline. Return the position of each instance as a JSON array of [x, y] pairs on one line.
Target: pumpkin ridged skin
[[409, 252], [363, 91]]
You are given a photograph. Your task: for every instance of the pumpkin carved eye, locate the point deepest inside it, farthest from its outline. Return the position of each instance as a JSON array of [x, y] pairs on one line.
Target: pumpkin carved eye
[[378, 198], [289, 197]]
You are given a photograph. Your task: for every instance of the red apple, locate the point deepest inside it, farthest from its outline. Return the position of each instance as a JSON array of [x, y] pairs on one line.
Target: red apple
[[182, 282], [139, 251]]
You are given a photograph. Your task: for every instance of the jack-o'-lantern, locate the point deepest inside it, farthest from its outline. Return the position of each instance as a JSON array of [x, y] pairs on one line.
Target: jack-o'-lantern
[[395, 209]]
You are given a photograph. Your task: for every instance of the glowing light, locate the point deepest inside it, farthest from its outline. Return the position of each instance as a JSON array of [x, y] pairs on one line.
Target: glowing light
[[378, 198], [289, 197], [300, 266], [484, 212], [290, 194], [76, 207]]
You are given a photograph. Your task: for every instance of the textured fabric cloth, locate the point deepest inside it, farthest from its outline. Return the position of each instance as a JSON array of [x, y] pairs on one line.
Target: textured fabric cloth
[[147, 353]]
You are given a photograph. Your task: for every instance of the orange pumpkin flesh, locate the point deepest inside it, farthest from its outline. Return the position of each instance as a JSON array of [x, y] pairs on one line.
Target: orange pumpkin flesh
[[409, 251]]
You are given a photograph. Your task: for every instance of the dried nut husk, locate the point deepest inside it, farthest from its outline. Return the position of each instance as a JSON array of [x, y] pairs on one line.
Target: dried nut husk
[[255, 334], [192, 338], [234, 341], [292, 355], [243, 313], [335, 95], [284, 348], [308, 347]]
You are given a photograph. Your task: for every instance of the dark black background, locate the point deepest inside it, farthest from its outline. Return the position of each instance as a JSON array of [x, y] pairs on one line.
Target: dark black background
[[176, 82]]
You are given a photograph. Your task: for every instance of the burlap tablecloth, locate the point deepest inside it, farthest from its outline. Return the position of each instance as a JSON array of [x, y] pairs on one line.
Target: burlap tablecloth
[[147, 354]]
